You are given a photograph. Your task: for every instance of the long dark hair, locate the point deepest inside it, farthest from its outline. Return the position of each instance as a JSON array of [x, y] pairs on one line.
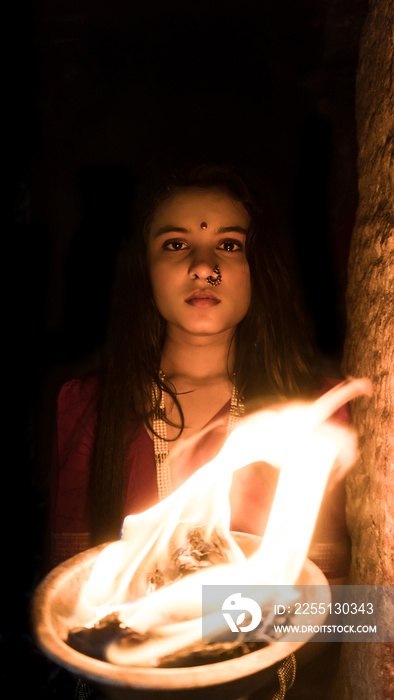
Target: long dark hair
[[271, 344]]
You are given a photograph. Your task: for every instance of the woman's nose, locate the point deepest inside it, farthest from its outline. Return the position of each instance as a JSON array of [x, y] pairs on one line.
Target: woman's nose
[[202, 266]]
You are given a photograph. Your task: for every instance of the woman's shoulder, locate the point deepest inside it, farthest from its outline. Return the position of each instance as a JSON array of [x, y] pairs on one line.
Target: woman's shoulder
[[79, 389], [77, 404]]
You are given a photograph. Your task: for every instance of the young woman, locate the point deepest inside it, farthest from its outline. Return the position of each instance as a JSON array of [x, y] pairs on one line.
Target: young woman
[[205, 324]]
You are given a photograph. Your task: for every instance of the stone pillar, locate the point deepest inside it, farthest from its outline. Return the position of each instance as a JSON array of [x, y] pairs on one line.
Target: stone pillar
[[367, 670]]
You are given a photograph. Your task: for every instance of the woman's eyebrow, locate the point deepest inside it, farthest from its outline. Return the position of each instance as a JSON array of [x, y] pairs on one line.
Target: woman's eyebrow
[[232, 229], [178, 229], [169, 229]]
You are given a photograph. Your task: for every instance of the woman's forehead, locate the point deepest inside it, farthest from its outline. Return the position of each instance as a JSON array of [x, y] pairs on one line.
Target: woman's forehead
[[191, 206]]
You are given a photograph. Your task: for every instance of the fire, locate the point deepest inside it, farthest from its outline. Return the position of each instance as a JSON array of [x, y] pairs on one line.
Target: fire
[[299, 440]]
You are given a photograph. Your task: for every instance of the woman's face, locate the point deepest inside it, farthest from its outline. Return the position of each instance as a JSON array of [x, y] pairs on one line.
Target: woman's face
[[191, 234]]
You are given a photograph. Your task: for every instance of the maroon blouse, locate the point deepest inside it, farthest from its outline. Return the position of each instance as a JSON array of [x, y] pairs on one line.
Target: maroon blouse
[[76, 421], [75, 426]]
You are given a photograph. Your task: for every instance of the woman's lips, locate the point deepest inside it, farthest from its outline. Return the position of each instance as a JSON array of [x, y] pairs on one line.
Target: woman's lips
[[202, 299]]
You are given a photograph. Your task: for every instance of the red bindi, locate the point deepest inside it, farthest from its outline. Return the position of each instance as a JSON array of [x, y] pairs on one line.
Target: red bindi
[[203, 225]]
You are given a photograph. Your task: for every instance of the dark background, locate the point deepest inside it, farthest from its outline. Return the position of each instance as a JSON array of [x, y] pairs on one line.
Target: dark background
[[102, 92]]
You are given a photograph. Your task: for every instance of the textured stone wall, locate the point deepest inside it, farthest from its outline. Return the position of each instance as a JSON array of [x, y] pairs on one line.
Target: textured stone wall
[[368, 670]]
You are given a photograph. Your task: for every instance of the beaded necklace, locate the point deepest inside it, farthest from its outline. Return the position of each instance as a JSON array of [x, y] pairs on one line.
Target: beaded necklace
[[160, 440]]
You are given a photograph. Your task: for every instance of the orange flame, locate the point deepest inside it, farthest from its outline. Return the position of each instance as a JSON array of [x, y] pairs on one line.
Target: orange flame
[[300, 441]]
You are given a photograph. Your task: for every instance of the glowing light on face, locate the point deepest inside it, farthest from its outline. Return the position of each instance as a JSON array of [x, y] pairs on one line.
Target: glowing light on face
[[183, 254]]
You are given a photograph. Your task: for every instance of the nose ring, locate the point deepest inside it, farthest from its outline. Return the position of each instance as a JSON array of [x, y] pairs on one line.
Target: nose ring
[[214, 281]]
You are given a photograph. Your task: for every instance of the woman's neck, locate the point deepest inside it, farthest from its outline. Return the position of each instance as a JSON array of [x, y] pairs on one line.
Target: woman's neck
[[197, 360]]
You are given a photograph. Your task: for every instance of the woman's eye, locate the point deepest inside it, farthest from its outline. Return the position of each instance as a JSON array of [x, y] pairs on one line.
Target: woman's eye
[[174, 245], [231, 246]]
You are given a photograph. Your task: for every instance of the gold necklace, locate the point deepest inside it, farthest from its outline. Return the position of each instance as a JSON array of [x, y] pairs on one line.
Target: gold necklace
[[160, 441]]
